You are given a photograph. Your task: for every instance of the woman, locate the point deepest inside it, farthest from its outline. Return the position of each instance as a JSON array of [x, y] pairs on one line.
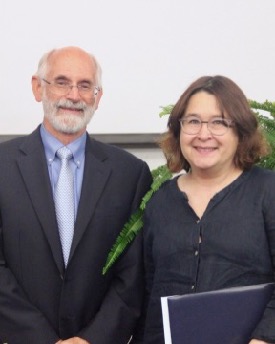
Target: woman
[[212, 227]]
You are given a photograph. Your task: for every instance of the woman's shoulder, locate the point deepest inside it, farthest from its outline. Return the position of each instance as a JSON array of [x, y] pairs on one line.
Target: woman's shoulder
[[168, 191], [259, 180], [263, 174]]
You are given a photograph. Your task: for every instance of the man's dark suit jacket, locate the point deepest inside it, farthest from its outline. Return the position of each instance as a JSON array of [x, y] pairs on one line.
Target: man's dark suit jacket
[[40, 302]]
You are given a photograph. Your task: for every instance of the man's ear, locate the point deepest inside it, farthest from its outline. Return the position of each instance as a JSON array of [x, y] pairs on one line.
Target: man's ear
[[37, 88], [97, 97]]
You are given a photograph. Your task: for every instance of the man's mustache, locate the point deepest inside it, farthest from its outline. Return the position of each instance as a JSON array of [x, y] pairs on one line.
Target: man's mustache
[[68, 104]]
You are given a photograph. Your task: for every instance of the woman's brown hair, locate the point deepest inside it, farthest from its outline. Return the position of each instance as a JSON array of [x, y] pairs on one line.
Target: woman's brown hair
[[252, 145]]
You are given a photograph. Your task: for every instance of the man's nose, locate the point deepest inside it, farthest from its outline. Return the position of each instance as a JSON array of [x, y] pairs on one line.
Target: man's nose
[[73, 93]]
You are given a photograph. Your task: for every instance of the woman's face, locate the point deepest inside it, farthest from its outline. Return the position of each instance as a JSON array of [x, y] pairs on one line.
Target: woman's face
[[205, 151]]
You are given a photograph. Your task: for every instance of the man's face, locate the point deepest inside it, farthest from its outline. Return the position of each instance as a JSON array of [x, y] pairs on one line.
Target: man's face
[[68, 110], [66, 116]]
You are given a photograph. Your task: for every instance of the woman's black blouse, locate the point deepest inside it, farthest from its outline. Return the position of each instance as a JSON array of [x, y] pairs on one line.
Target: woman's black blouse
[[233, 244]]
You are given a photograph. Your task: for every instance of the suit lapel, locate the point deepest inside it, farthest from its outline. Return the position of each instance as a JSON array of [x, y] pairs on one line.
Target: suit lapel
[[96, 175], [34, 170]]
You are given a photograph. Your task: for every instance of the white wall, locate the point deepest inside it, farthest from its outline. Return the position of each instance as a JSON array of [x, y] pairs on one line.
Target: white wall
[[153, 156], [150, 50]]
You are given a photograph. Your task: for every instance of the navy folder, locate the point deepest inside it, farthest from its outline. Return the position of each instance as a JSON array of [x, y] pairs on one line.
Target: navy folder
[[226, 316]]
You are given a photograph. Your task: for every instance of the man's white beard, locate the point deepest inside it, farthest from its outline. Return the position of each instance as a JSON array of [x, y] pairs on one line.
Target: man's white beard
[[67, 123]]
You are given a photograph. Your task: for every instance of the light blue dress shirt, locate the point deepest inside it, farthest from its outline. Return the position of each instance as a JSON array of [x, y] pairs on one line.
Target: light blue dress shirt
[[77, 147]]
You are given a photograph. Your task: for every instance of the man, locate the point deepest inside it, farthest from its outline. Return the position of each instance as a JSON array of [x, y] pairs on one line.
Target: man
[[49, 292]]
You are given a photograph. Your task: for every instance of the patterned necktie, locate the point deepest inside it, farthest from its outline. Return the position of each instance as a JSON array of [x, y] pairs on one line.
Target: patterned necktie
[[64, 202]]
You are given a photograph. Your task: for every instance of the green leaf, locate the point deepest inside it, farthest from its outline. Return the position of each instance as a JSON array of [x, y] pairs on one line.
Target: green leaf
[[135, 223], [166, 110], [128, 233]]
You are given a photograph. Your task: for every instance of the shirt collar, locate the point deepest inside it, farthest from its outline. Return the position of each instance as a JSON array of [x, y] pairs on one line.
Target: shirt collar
[[51, 145]]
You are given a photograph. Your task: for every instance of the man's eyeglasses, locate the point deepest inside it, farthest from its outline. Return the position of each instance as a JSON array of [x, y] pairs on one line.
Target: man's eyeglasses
[[62, 88], [217, 126]]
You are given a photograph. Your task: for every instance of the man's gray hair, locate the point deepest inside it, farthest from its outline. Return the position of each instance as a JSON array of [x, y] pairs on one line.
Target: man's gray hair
[[44, 64]]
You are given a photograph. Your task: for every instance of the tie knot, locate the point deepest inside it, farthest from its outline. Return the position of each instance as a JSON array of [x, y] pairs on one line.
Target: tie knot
[[64, 153]]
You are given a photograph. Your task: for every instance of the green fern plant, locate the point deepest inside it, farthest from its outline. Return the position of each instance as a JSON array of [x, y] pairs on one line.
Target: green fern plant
[[267, 122], [161, 174], [135, 223]]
